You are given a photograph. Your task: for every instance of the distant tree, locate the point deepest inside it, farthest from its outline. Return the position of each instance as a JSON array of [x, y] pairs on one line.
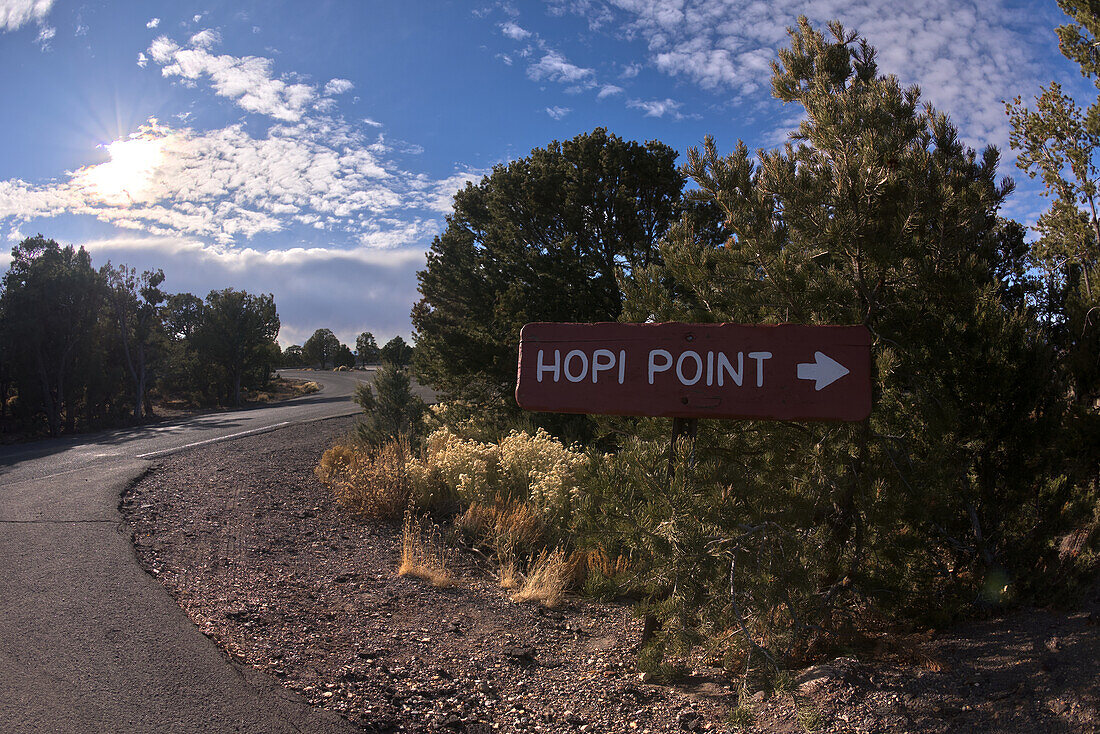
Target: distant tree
[[51, 302], [135, 302], [321, 347], [366, 349], [343, 357], [396, 352], [182, 313], [542, 238], [293, 356], [235, 336], [390, 408]]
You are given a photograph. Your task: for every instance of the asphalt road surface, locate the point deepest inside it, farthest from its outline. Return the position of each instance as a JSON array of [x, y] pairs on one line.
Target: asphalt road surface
[[88, 641]]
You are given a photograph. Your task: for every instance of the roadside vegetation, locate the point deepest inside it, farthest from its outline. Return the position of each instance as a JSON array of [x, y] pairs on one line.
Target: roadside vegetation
[[82, 348], [975, 484]]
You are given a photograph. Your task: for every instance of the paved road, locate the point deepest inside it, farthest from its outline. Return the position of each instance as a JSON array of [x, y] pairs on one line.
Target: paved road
[[88, 641]]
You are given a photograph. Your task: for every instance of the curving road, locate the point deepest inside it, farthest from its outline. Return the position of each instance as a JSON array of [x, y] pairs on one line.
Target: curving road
[[88, 641]]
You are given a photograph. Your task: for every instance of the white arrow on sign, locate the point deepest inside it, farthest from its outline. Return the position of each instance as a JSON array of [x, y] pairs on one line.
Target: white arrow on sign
[[824, 370]]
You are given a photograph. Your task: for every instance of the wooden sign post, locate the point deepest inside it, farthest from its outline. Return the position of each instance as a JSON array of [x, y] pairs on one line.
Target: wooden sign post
[[691, 371], [783, 372]]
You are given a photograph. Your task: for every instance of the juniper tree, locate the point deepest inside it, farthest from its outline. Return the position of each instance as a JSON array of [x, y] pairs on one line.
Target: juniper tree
[[366, 348], [52, 300], [136, 304], [539, 239], [873, 213], [321, 347]]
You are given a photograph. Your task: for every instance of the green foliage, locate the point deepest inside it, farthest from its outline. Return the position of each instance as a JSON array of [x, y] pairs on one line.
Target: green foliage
[[293, 356], [321, 348], [1059, 142], [396, 352], [51, 301], [366, 349], [539, 239], [81, 348], [135, 302], [775, 536], [233, 339], [390, 407], [343, 357]]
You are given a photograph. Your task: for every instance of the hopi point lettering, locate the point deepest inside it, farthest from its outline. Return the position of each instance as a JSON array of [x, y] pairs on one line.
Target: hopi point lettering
[[688, 367]]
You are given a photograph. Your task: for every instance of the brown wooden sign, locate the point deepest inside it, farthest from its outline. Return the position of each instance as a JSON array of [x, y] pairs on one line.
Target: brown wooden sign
[[780, 372]]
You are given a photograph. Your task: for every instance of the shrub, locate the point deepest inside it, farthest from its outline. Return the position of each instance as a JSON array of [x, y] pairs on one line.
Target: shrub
[[467, 467], [370, 483], [389, 406], [542, 470], [523, 467]]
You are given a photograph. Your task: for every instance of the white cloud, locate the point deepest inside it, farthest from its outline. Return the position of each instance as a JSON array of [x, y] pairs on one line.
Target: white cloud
[[206, 39], [14, 14], [153, 23], [558, 112], [338, 86], [226, 185], [372, 123], [966, 55], [45, 35], [513, 31], [657, 107], [248, 80], [607, 90], [554, 67], [438, 195]]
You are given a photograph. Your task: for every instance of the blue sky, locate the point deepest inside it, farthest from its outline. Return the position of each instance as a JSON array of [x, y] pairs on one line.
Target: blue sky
[[310, 150]]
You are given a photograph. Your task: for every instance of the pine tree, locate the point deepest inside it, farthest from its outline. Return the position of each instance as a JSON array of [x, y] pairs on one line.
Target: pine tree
[[874, 213], [390, 408]]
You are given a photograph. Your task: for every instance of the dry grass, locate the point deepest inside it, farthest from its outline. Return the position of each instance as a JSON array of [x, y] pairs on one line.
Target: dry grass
[[509, 576], [598, 561], [518, 525], [547, 581], [370, 483], [424, 558]]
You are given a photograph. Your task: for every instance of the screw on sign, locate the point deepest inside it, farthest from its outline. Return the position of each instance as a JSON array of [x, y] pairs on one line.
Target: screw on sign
[[776, 372]]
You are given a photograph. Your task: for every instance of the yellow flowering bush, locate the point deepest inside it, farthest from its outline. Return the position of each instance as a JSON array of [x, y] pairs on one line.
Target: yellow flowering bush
[[467, 467], [533, 468], [542, 468]]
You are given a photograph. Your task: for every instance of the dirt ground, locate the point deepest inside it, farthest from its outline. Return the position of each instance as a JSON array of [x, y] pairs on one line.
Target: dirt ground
[[265, 563]]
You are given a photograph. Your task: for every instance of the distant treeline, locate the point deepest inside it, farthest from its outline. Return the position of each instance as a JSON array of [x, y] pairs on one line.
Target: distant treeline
[[83, 348], [324, 350]]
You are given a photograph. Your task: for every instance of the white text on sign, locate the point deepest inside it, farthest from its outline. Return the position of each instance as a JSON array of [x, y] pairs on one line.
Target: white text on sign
[[689, 367]]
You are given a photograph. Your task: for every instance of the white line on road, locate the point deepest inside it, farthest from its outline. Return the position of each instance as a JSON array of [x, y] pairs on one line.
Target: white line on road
[[154, 454]]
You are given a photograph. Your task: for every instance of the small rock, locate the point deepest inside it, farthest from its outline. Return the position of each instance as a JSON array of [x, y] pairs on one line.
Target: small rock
[[689, 720], [519, 652]]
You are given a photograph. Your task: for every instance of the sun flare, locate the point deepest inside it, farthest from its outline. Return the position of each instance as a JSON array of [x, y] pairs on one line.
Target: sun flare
[[128, 176]]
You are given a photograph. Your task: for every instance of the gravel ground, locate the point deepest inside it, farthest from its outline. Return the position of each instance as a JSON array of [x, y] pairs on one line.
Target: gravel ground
[[262, 559]]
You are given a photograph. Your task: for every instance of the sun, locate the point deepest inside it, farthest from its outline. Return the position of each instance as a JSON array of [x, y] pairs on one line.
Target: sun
[[128, 176]]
